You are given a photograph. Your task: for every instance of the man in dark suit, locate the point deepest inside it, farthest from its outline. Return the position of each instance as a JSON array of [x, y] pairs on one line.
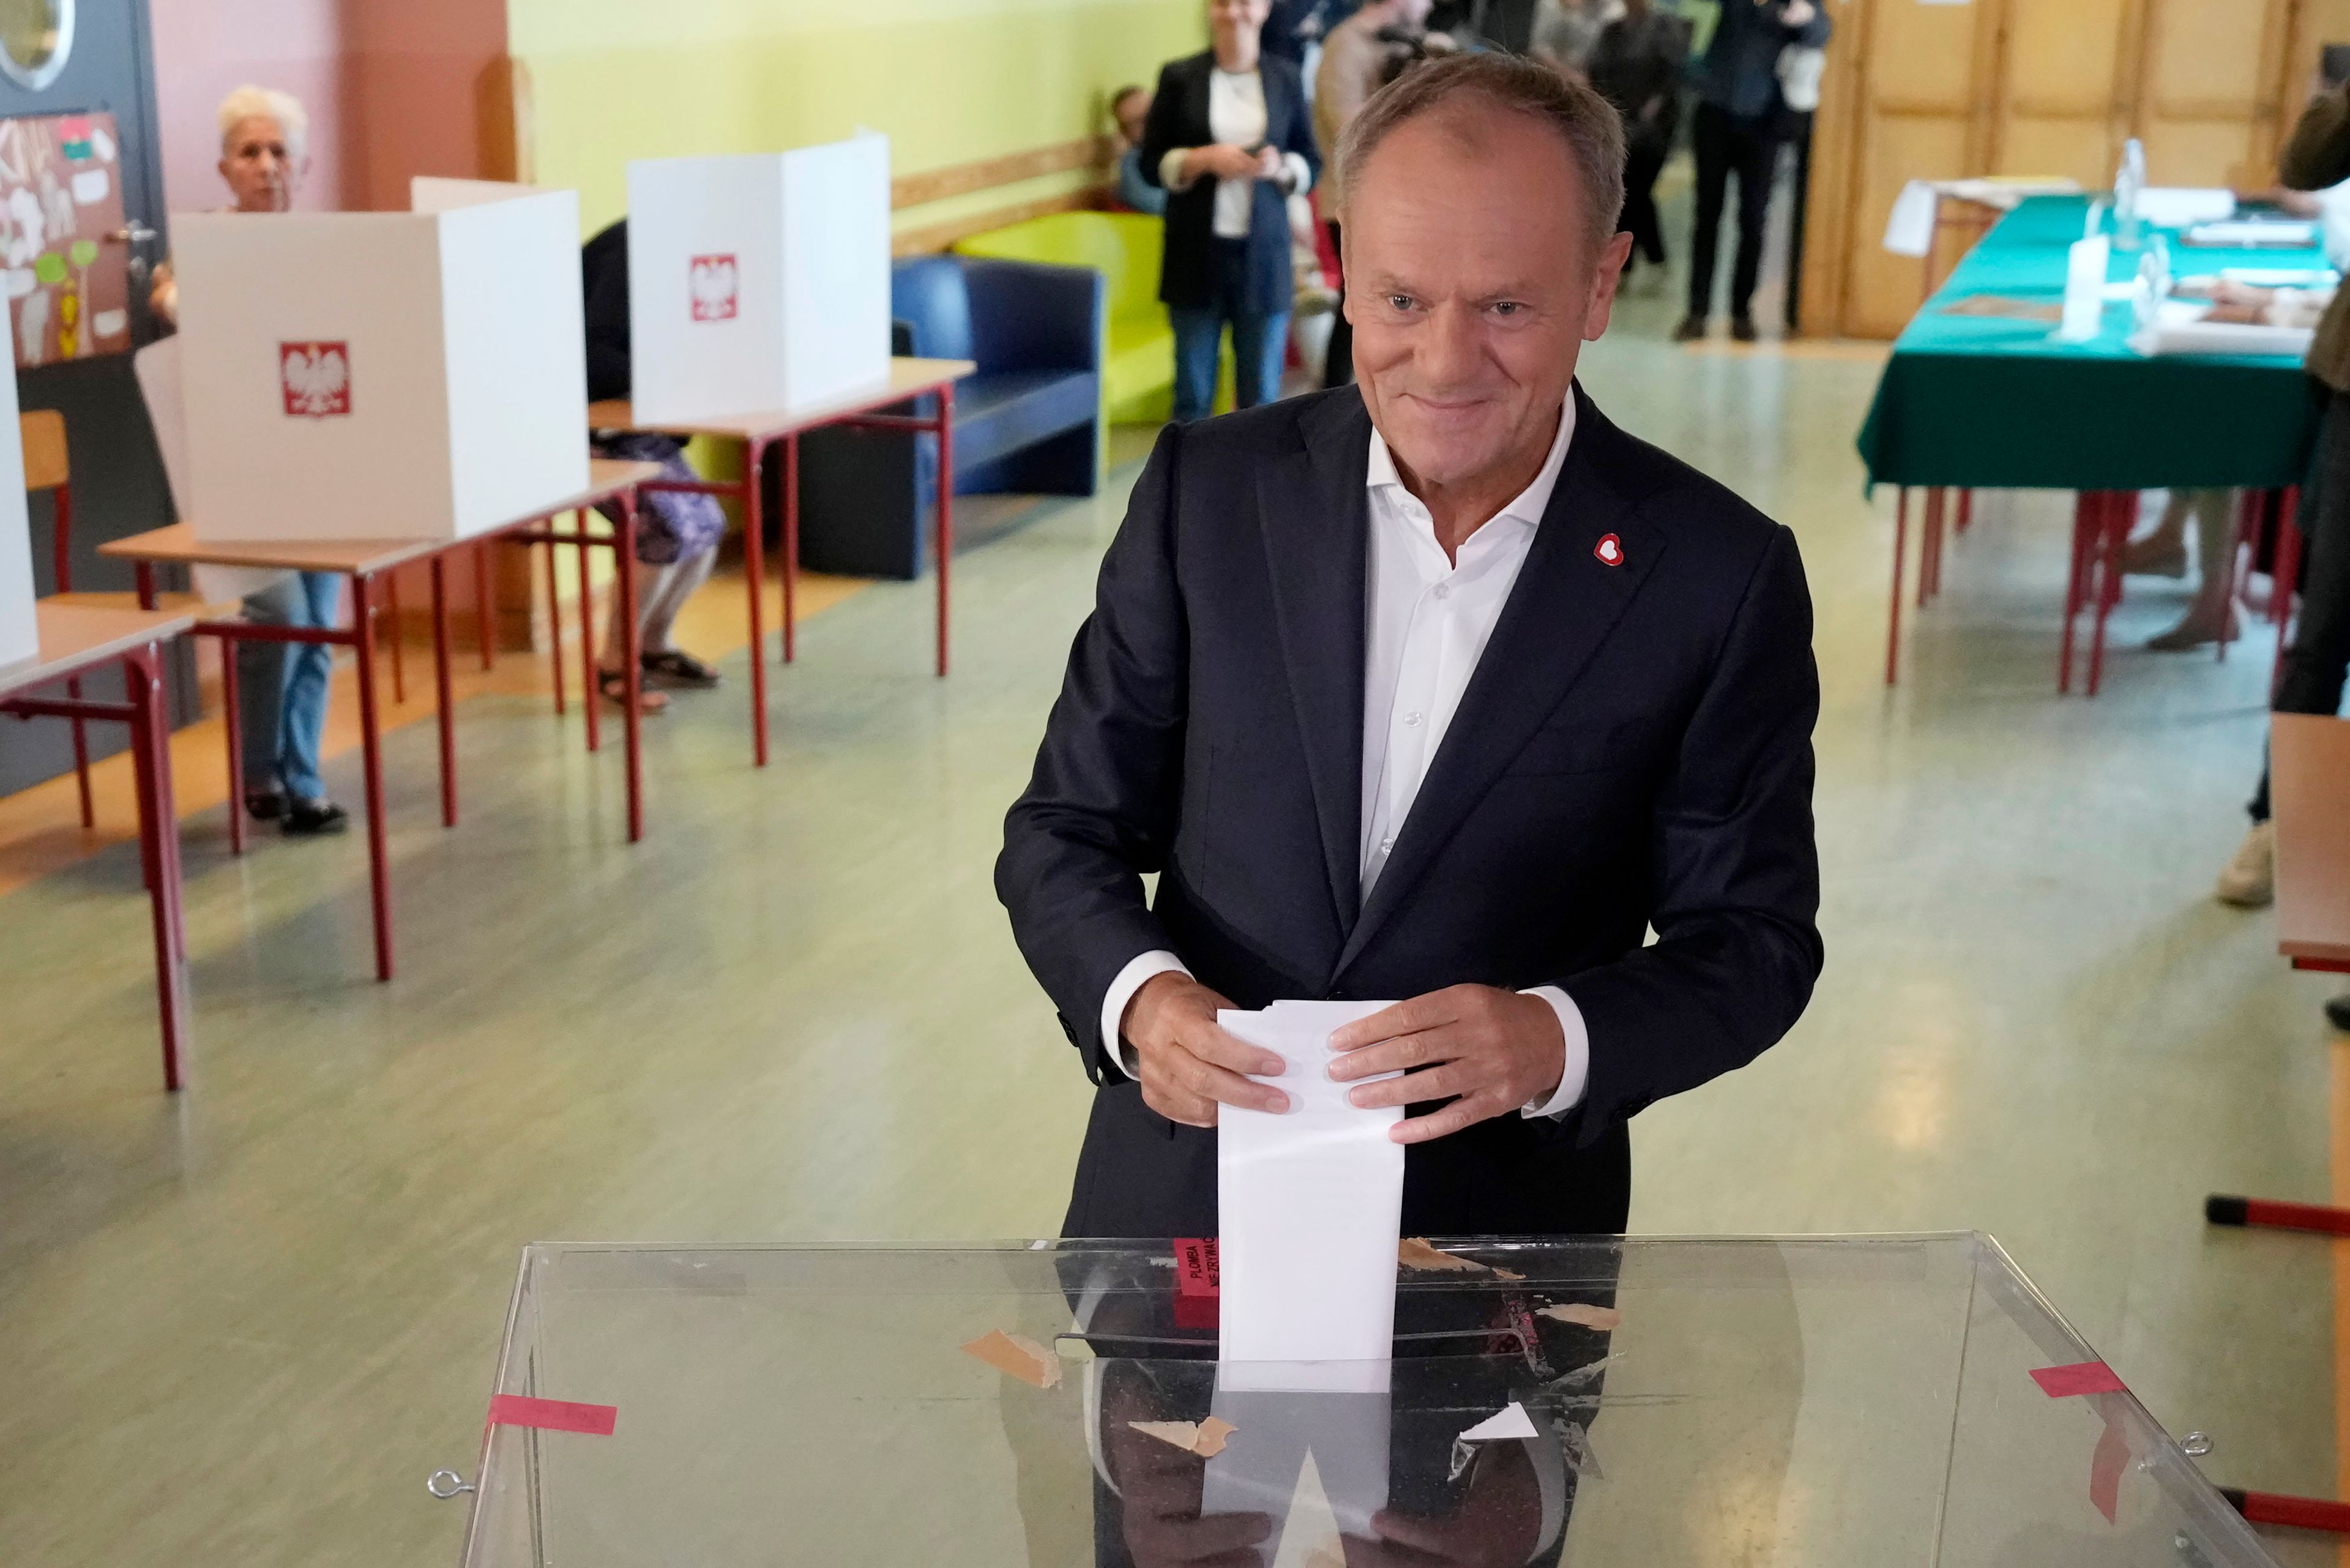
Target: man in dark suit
[[1440, 688]]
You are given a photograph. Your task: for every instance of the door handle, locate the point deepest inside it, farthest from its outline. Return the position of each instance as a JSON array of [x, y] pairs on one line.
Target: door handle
[[133, 233]]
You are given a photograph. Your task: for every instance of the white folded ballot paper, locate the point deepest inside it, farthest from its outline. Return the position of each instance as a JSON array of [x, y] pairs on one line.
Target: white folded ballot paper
[[1310, 1206]]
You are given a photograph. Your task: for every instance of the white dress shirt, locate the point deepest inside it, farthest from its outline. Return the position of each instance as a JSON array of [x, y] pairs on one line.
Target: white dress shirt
[[1236, 114], [1427, 622]]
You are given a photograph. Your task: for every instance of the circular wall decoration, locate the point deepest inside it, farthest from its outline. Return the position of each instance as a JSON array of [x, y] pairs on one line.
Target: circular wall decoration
[[36, 40]]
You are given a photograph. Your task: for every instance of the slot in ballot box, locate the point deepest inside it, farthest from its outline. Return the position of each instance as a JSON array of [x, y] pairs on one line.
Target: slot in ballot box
[[20, 637], [1830, 1402], [758, 283], [417, 375]]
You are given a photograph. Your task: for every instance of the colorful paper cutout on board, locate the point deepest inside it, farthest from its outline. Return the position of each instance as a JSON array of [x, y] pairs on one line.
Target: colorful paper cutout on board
[[67, 284]]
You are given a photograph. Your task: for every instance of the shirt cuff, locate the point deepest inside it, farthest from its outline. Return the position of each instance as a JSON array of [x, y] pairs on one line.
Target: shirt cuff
[[1576, 1073], [1170, 169], [1146, 966], [1301, 174]]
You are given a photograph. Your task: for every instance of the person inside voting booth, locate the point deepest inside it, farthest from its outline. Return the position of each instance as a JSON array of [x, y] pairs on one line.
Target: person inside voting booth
[[265, 155], [677, 531]]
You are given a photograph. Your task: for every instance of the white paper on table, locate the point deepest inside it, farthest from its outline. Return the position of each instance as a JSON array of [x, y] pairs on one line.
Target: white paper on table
[[2085, 289], [1310, 1206], [2177, 206], [1910, 227], [1510, 1422], [2175, 337]]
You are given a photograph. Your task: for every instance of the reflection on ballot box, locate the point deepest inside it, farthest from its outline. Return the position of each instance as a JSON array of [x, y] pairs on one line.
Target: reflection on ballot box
[[1817, 1402]]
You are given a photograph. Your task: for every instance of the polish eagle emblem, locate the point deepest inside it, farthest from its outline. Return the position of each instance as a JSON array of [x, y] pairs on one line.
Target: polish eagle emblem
[[713, 281], [316, 379]]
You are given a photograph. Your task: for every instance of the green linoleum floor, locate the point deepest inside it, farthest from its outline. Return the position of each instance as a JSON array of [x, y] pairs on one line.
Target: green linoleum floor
[[241, 1325]]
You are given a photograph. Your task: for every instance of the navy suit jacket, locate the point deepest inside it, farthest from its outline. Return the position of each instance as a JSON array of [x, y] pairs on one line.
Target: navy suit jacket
[[1633, 751], [1179, 118]]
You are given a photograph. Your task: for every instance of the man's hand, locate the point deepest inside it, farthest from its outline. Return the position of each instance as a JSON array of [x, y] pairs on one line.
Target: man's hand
[[1798, 14], [1490, 1051], [1189, 1066]]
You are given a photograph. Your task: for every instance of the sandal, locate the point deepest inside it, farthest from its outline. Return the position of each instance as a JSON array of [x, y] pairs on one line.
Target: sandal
[[675, 667], [614, 685]]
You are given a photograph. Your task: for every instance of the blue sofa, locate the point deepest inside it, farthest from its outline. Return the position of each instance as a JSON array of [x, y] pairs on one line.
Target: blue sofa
[[1028, 420]]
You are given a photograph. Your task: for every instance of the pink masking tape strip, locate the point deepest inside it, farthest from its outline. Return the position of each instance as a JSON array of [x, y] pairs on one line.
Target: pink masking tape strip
[[552, 1414], [2082, 1378]]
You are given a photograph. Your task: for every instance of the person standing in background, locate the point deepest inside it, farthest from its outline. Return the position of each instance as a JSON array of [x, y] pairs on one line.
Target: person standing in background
[[1227, 138], [1130, 107], [1740, 123], [677, 531], [1354, 64], [1636, 65], [1565, 32], [265, 155]]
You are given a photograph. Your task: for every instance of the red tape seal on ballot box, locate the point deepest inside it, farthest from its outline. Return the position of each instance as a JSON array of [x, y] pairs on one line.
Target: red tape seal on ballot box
[[552, 1414], [1195, 1282]]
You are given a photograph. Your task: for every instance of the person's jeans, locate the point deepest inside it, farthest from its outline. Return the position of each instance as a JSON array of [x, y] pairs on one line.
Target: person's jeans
[[1729, 144], [2315, 664], [281, 686], [1259, 344]]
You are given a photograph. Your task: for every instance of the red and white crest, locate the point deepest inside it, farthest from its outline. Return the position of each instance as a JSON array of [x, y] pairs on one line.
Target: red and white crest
[[316, 379], [1610, 550], [713, 287]]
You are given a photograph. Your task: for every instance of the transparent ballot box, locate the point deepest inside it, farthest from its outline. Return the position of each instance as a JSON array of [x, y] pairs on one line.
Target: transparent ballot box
[[1832, 1401]]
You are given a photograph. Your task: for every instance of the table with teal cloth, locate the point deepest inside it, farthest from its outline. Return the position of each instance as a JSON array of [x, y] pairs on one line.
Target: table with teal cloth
[[1980, 402]]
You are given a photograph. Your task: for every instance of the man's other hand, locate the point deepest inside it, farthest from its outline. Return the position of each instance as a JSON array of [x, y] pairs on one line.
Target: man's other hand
[[1189, 1066], [1491, 1053]]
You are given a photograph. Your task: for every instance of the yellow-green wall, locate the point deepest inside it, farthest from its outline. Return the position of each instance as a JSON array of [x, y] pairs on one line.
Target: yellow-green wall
[[949, 81]]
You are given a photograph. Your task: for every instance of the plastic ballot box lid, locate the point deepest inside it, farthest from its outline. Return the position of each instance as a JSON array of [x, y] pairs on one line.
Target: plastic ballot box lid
[[1823, 1401]]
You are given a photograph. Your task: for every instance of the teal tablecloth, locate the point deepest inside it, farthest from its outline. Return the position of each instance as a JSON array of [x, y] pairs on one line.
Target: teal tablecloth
[[1977, 401]]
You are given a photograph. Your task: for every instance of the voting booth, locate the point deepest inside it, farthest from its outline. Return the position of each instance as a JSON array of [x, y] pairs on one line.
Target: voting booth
[[758, 283], [1833, 1402], [20, 637], [417, 375]]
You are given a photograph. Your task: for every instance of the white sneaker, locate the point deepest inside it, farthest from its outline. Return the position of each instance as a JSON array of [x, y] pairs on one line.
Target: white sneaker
[[2249, 881]]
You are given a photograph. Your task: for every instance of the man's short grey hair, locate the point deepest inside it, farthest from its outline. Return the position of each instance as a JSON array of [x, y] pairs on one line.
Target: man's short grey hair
[[258, 103], [1587, 122]]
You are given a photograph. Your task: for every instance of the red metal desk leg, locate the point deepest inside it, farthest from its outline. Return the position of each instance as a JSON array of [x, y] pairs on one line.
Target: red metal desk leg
[[484, 617], [2084, 517], [2120, 506], [554, 624], [399, 670], [231, 719], [1930, 547], [2288, 575], [444, 698], [624, 557], [1966, 509], [150, 743], [946, 510], [589, 690], [754, 550], [371, 749], [81, 756], [1892, 617], [791, 543]]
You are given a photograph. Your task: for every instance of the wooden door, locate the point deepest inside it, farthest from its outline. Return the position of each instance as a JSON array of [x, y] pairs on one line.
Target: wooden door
[[1942, 89]]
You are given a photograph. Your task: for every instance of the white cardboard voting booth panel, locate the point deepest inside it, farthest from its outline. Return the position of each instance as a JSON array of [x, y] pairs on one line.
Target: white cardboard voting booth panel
[[417, 375], [758, 283], [20, 637]]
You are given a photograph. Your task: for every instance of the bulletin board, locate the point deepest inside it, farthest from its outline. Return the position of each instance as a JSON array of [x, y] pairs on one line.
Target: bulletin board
[[68, 284]]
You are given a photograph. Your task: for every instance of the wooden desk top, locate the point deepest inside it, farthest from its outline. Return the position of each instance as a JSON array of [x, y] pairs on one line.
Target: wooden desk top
[[178, 545], [76, 636], [2309, 787], [908, 378]]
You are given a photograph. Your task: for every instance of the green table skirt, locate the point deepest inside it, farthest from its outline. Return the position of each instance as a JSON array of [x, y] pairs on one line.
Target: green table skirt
[[1983, 402]]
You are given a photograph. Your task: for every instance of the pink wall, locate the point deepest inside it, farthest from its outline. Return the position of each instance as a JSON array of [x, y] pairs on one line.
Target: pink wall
[[391, 86], [205, 49]]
